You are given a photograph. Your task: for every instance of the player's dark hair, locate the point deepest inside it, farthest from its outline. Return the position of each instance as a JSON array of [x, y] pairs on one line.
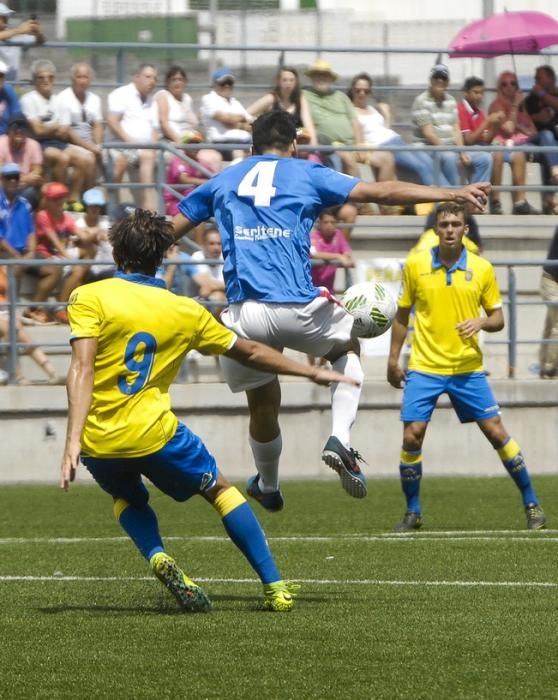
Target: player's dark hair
[[450, 208], [140, 240], [273, 130], [472, 82]]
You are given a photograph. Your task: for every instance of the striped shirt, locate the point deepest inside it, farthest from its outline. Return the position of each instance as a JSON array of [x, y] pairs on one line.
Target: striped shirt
[[442, 116]]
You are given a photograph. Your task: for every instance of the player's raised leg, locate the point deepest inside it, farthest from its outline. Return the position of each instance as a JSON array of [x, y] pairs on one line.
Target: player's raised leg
[[512, 458], [338, 453], [245, 531]]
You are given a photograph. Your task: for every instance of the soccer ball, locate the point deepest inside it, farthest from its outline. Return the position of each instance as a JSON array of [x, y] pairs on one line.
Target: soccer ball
[[372, 306]]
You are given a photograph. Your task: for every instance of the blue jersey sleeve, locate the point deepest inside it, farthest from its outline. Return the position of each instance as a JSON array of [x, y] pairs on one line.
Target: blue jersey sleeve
[[198, 205], [332, 187]]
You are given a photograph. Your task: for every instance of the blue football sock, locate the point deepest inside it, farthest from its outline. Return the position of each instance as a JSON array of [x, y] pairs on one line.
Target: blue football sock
[[245, 531], [513, 461], [141, 526], [410, 470]]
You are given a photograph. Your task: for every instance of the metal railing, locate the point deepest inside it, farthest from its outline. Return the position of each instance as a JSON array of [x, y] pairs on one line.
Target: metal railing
[[512, 341], [164, 147]]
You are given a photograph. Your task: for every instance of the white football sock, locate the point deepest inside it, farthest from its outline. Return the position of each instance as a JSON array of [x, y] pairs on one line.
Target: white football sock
[[345, 397], [266, 457]]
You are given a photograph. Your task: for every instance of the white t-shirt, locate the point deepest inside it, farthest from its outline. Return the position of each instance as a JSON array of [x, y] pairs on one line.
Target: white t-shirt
[[104, 248], [373, 127], [48, 111], [181, 114], [139, 117], [82, 115], [214, 271], [216, 130]]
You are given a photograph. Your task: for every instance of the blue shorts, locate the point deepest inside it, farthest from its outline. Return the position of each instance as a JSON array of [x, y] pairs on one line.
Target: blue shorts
[[470, 395], [181, 469]]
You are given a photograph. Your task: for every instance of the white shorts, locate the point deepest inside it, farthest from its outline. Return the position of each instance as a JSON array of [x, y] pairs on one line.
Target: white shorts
[[315, 329]]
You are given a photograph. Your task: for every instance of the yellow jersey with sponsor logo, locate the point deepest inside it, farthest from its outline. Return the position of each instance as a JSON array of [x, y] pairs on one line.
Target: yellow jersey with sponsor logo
[[443, 297], [143, 332]]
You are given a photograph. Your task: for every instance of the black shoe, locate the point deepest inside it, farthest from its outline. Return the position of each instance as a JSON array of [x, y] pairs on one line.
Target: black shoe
[[271, 501], [496, 206], [535, 517], [411, 521], [524, 208], [344, 462]]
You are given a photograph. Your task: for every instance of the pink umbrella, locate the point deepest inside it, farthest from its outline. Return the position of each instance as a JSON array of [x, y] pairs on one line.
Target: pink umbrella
[[509, 32]]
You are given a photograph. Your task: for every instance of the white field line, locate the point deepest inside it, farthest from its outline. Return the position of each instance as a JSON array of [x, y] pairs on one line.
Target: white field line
[[316, 582], [440, 536]]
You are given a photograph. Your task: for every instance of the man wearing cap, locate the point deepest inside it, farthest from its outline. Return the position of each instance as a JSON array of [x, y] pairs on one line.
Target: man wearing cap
[[17, 146], [17, 232], [436, 124], [337, 123], [224, 118], [133, 118], [28, 32]]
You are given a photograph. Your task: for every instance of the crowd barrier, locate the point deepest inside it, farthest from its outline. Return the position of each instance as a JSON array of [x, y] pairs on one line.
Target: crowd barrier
[[12, 347]]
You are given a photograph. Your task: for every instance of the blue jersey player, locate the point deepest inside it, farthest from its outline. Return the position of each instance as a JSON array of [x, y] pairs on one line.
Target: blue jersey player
[[264, 208]]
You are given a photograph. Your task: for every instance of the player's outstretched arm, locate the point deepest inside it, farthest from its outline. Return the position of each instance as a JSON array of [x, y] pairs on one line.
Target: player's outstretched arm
[[181, 225], [398, 192], [395, 374], [79, 387], [260, 356]]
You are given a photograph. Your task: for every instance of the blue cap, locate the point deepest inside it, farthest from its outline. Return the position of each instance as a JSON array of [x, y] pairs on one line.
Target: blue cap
[[10, 169], [94, 198], [222, 74]]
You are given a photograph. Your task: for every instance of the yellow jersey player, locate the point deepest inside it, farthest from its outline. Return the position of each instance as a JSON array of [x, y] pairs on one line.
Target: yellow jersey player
[[448, 286], [129, 335]]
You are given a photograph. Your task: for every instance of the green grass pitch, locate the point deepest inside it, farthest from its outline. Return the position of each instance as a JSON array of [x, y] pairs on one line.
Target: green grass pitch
[[467, 608]]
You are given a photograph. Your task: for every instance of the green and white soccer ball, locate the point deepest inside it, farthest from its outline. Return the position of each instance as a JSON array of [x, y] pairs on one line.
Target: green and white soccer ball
[[372, 306]]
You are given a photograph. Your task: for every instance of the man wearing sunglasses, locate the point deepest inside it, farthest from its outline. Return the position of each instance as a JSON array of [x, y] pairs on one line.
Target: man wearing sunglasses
[[17, 232], [224, 118]]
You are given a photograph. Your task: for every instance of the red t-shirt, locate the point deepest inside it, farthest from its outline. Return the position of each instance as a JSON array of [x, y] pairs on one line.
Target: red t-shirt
[[470, 119], [44, 223]]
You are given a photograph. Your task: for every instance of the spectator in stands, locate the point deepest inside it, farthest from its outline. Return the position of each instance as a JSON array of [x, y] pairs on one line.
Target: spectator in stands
[[542, 105], [287, 95], [53, 227], [224, 118], [177, 276], [179, 123], [17, 231], [209, 278], [436, 124], [17, 146], [132, 117], [183, 176], [34, 352], [89, 242], [9, 103], [375, 124], [336, 122], [84, 112], [515, 128], [328, 243], [51, 127], [549, 290], [28, 32]]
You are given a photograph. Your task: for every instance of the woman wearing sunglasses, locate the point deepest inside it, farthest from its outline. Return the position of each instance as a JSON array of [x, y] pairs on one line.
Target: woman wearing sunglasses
[[375, 124], [516, 129]]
